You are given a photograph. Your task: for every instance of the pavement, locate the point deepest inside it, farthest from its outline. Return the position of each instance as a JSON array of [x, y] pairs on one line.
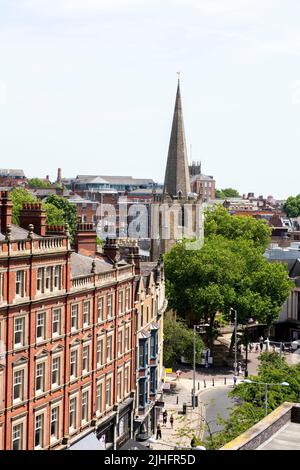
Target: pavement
[[212, 387], [192, 423]]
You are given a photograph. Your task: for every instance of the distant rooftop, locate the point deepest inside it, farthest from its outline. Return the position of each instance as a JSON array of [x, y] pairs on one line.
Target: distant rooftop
[[11, 173]]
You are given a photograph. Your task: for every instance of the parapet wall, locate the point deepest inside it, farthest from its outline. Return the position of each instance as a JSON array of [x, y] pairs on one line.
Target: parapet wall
[[265, 428]]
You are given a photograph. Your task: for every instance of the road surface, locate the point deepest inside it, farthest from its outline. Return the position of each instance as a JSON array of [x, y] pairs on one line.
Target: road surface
[[216, 403]]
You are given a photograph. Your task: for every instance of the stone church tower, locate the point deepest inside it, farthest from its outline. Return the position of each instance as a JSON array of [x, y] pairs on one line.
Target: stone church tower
[[178, 213]]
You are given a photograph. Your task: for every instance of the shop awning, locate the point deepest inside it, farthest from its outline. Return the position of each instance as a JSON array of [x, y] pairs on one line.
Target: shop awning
[[89, 442]]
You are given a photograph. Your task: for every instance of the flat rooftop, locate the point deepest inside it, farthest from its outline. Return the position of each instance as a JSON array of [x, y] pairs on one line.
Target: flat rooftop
[[287, 438]]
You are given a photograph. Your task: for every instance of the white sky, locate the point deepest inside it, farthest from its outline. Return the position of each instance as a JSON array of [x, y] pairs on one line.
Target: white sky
[[89, 85]]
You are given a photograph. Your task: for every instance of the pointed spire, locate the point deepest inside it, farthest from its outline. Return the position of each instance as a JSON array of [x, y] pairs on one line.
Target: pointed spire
[[177, 179]]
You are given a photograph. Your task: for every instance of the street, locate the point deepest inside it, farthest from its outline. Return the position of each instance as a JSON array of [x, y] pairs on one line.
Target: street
[[216, 403]]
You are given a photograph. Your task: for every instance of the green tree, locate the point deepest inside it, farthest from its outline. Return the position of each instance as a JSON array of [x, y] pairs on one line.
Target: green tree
[[38, 183], [69, 210], [250, 398], [292, 206], [224, 273], [178, 342], [219, 222], [227, 192], [54, 216], [18, 196]]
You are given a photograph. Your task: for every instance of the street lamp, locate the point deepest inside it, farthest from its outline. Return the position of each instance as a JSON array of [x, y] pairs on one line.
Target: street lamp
[[283, 384], [196, 328], [235, 340]]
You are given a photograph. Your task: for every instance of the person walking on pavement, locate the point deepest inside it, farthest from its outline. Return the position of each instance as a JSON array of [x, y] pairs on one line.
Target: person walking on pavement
[[165, 417], [257, 347], [261, 343], [158, 432], [238, 368], [172, 421]]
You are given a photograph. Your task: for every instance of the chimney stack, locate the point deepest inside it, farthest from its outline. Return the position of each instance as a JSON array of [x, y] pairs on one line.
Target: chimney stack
[[58, 175], [86, 239], [111, 249], [33, 213], [6, 211]]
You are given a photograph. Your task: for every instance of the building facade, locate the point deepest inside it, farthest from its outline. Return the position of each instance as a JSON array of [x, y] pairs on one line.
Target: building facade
[[68, 340]]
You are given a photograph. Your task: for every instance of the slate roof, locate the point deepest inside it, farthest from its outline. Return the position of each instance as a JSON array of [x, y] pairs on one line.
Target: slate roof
[[81, 265], [18, 233]]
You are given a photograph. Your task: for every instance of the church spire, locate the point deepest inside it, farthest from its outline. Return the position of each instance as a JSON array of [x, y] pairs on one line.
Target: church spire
[[177, 179]]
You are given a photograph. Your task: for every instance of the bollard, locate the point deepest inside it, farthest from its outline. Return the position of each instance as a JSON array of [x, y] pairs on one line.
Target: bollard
[[198, 385], [204, 383], [177, 400], [213, 382], [225, 380]]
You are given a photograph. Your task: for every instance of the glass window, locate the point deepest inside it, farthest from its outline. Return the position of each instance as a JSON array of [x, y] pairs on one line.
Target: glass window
[[55, 373], [74, 317], [72, 413], [39, 280], [57, 277], [99, 397], [48, 278], [73, 363], [121, 306], [40, 325], [19, 331], [17, 437], [109, 348], [18, 385], [20, 283], [100, 342], [54, 423], [85, 359], [86, 313], [119, 385], [56, 322], [100, 312], [40, 377], [108, 393], [39, 431], [128, 298], [127, 338], [110, 309], [84, 406], [126, 380], [120, 342]]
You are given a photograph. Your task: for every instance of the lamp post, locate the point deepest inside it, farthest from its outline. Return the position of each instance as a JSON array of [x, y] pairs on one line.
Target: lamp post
[[283, 384], [196, 327], [235, 340]]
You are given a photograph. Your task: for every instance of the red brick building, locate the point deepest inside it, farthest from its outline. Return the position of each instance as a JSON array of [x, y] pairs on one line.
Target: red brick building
[[67, 335]]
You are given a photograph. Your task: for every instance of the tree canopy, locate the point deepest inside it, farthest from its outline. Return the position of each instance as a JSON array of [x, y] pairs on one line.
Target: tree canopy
[[228, 271], [178, 342], [227, 192], [219, 222], [38, 183], [54, 215], [250, 398], [292, 206], [68, 209]]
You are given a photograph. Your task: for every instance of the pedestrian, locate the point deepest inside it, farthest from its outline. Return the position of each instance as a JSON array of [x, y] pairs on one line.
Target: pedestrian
[[257, 347], [274, 348], [234, 380], [158, 432], [261, 343], [251, 347], [165, 417], [172, 421], [238, 368]]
